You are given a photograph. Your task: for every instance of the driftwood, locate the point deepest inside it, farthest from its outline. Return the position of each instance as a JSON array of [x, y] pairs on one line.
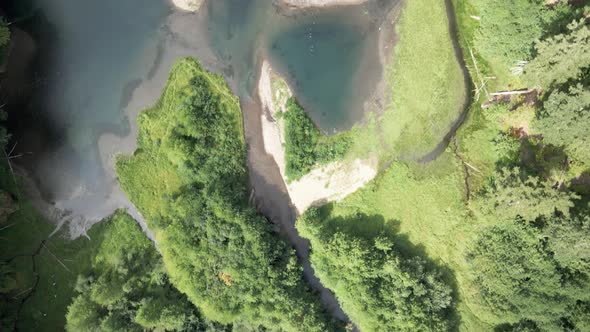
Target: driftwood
[[531, 97], [514, 92], [478, 89]]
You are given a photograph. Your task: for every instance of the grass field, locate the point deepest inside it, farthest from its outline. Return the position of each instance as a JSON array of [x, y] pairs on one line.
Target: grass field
[[58, 263], [427, 83]]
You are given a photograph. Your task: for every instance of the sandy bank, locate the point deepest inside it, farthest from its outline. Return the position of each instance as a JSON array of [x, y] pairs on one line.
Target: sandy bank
[[188, 5], [331, 182], [321, 3]]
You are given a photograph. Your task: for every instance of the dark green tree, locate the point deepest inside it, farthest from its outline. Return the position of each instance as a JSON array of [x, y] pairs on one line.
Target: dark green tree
[[509, 28], [127, 289], [378, 287], [561, 58], [516, 277], [513, 195], [564, 121]]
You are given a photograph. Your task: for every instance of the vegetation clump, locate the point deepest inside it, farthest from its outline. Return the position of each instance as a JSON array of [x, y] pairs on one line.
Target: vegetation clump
[[509, 29], [377, 286], [305, 146], [4, 39], [188, 177]]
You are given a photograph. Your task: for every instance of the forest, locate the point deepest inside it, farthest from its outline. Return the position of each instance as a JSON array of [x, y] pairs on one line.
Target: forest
[[491, 234], [216, 248], [497, 226]]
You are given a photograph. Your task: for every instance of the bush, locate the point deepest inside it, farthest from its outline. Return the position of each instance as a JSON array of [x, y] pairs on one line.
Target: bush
[[305, 146]]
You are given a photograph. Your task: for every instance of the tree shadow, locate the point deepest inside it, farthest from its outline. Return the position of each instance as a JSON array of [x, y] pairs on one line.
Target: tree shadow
[[368, 227], [541, 159]]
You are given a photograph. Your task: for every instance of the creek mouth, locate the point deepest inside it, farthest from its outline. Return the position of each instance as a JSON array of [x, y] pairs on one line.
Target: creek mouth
[[92, 80]]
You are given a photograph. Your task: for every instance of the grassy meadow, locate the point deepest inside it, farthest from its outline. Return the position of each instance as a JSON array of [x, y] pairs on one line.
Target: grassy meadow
[[429, 210]]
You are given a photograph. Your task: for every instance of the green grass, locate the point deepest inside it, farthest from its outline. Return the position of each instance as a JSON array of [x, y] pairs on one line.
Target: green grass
[[59, 264], [426, 204], [426, 80]]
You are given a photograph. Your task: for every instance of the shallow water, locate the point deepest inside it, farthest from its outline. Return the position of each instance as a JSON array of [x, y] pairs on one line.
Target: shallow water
[[96, 51], [101, 62]]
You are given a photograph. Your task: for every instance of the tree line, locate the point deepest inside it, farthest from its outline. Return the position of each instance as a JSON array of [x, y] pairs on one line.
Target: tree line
[[530, 261]]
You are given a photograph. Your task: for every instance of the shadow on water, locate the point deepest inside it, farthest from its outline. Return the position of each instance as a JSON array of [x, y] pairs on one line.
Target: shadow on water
[[368, 227]]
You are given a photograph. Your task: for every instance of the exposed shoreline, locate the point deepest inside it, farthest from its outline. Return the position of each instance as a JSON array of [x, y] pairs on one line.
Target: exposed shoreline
[[331, 182], [178, 39]]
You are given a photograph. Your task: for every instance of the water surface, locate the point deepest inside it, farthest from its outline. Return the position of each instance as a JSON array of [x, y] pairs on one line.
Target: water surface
[[101, 62], [329, 57]]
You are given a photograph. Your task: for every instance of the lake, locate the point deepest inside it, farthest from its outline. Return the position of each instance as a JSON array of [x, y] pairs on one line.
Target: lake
[[101, 62]]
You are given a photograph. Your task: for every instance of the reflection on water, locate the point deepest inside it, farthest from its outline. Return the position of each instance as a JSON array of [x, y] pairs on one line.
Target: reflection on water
[[97, 50], [105, 60]]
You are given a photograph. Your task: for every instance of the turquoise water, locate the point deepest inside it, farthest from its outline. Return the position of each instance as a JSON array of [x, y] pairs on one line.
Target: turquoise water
[[321, 60], [329, 57]]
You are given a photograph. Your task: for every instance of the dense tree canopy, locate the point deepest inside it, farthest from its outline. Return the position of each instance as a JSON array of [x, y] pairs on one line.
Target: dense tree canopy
[[128, 290], [513, 195], [379, 288], [530, 261], [564, 121], [188, 177], [539, 275], [509, 29], [562, 58]]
